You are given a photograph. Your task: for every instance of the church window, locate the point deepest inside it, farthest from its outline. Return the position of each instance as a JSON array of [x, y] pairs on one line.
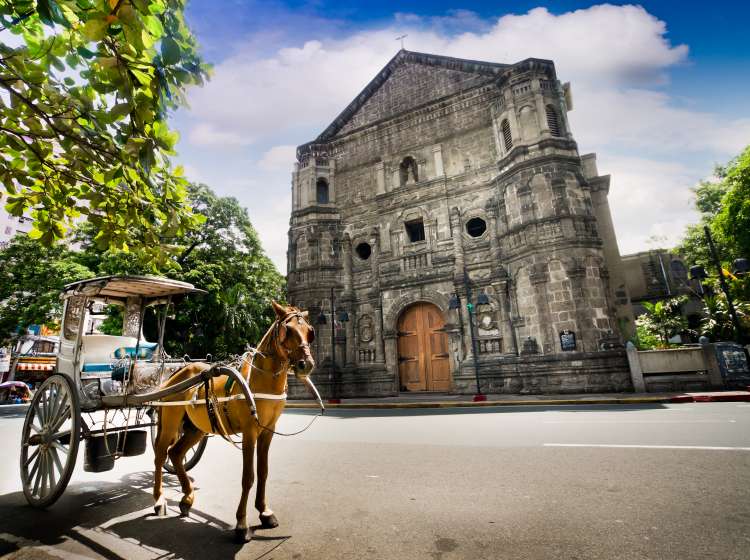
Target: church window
[[363, 251], [415, 230], [553, 123], [321, 191], [408, 171], [507, 138], [476, 227]]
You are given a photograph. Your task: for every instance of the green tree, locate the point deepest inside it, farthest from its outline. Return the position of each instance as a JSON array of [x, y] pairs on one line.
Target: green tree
[[732, 223], [717, 322], [84, 131], [224, 257], [725, 208], [663, 319], [31, 278]]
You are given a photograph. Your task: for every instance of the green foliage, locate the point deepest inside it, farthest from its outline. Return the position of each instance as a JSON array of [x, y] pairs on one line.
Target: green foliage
[[644, 337], [732, 224], [717, 322], [85, 129], [662, 320], [31, 278], [223, 257], [725, 208]]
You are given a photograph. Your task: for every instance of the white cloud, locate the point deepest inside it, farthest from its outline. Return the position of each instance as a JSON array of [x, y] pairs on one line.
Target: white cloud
[[618, 59], [278, 158], [209, 134], [649, 198]]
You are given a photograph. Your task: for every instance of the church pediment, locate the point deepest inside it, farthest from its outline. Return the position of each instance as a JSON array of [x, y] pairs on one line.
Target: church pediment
[[408, 81]]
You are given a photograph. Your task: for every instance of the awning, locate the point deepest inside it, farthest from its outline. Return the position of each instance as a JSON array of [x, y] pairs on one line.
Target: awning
[[35, 367]]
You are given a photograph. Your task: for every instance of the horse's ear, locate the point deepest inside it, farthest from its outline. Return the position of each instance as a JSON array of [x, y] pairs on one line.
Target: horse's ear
[[306, 315], [278, 308]]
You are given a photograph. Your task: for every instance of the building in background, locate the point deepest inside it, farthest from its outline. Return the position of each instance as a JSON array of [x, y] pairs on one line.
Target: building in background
[[448, 211], [11, 225], [660, 274]]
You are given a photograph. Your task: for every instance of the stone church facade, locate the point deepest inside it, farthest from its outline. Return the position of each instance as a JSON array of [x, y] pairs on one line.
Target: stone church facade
[[462, 236]]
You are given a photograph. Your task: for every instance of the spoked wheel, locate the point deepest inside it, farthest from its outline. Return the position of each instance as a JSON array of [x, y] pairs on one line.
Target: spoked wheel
[[193, 454], [49, 441]]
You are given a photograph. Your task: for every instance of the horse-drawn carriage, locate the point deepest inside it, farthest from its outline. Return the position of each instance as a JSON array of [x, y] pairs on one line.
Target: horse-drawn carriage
[[110, 390]]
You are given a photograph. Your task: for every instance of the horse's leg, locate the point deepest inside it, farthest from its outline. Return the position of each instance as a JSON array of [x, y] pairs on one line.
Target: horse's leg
[[267, 518], [242, 533], [166, 435], [177, 453]]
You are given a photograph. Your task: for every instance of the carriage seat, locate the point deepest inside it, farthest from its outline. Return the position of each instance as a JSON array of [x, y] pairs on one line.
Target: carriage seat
[[100, 350]]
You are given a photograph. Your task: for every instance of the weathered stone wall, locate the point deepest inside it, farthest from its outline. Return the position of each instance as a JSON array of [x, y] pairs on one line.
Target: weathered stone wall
[[427, 147]]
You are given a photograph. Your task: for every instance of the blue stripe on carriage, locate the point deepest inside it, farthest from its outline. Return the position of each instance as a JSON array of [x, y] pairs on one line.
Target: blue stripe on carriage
[[97, 367]]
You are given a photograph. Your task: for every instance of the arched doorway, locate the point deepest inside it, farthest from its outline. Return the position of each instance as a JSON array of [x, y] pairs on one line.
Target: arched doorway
[[423, 359]]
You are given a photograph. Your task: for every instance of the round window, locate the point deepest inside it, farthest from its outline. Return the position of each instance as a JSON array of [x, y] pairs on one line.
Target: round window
[[364, 251], [476, 227]]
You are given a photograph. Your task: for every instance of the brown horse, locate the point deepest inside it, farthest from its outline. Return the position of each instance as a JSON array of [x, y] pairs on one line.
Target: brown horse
[[285, 347]]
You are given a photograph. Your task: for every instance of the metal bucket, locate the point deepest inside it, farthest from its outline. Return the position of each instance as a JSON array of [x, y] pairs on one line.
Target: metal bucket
[[98, 456], [133, 442]]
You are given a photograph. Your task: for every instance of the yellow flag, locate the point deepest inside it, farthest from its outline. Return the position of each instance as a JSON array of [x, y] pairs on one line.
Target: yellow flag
[[725, 272]]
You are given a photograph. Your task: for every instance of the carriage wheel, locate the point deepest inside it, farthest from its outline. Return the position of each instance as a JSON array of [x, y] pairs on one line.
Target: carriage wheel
[[49, 441], [193, 454]]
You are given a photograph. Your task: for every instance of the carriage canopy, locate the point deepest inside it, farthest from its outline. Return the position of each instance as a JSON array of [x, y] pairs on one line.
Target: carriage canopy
[[122, 287]]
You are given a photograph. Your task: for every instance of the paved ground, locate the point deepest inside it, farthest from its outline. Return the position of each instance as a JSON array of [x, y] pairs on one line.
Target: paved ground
[[579, 482]]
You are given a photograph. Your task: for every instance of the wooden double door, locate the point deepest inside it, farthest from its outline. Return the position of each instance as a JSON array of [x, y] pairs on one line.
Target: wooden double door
[[423, 359]]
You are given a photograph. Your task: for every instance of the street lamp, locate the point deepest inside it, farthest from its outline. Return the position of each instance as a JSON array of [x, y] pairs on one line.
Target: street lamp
[[455, 303], [343, 317]]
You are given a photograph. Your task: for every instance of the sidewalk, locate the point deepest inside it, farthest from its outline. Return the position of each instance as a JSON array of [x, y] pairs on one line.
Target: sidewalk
[[460, 401]]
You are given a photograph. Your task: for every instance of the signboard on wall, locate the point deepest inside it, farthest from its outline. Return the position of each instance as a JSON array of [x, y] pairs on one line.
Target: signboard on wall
[[567, 341]]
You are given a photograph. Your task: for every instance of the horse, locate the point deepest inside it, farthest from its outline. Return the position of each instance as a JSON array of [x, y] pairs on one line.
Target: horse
[[285, 347]]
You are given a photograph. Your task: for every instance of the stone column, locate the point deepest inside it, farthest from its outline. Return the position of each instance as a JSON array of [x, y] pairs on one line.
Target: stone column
[[494, 241], [506, 326], [346, 255], [437, 154], [380, 178], [636, 373], [539, 279], [458, 244], [379, 341], [351, 343], [584, 322]]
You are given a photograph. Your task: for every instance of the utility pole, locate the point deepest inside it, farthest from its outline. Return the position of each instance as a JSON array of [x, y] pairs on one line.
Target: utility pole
[[724, 288]]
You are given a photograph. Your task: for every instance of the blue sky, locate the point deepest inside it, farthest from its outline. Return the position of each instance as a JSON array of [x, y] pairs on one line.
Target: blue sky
[[660, 90]]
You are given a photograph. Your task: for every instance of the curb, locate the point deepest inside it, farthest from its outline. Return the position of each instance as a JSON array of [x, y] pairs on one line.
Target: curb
[[550, 402], [471, 404]]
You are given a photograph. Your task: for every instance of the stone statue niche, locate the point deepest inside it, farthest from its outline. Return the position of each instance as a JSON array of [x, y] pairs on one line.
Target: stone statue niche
[[408, 171]]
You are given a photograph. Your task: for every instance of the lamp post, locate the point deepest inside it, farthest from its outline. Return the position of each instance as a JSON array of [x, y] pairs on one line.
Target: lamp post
[[343, 317], [455, 303]]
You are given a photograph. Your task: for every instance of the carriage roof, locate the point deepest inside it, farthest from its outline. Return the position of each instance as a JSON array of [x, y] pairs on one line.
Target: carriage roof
[[129, 286]]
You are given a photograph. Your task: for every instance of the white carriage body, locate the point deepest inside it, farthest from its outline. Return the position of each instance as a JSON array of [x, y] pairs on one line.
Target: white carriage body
[[104, 366]]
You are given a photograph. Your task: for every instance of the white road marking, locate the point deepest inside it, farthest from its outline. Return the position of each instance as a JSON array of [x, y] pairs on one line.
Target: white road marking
[[637, 421], [627, 446]]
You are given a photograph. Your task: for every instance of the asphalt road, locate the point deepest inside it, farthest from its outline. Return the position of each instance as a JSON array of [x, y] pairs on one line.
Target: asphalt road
[[568, 482]]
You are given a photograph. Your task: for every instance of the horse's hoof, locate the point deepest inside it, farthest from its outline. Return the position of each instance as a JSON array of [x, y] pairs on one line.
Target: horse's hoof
[[185, 509], [242, 536], [268, 521], [160, 510]]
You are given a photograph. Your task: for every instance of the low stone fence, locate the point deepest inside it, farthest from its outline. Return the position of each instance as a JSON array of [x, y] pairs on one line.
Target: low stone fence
[[689, 368]]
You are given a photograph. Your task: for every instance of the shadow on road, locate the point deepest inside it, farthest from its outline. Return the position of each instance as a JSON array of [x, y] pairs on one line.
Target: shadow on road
[[115, 521], [352, 413]]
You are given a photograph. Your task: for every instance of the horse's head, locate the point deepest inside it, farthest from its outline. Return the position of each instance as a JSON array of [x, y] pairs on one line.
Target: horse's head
[[294, 334]]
